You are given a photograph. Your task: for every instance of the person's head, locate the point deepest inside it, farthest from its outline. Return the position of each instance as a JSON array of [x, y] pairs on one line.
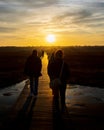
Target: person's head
[[35, 53], [59, 54]]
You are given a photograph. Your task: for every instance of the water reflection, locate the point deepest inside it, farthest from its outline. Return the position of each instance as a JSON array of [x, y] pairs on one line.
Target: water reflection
[[77, 94], [9, 95]]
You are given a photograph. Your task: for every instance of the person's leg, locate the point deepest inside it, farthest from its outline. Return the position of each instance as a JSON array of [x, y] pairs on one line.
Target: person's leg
[[62, 95], [36, 80], [56, 99], [31, 85]]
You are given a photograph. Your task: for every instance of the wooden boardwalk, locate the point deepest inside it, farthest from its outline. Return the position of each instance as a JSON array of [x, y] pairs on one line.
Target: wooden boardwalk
[[41, 112]]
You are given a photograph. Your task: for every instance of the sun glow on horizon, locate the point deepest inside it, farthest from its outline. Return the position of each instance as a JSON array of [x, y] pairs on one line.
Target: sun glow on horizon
[[50, 38]]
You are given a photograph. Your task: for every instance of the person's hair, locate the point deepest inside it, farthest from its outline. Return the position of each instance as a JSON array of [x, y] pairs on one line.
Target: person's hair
[[59, 54], [34, 52]]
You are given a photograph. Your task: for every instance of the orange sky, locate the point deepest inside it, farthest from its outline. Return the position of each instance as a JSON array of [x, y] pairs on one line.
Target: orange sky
[[27, 23]]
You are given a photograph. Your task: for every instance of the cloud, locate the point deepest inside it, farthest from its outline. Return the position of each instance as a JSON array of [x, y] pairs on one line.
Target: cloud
[[78, 14], [99, 4], [84, 17], [11, 13], [7, 29], [30, 3], [19, 10]]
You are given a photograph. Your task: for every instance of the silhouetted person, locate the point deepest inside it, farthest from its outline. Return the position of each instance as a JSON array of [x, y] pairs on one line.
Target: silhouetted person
[[32, 69], [51, 58], [42, 53], [54, 68]]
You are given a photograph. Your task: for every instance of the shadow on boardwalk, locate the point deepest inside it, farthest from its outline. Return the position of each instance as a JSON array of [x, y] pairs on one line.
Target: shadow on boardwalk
[[22, 119]]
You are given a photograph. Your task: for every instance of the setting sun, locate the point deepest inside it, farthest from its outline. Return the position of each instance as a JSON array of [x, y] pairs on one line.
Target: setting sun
[[50, 38]]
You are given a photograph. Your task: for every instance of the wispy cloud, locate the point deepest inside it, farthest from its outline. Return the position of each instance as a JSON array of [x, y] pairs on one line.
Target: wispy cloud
[[7, 29]]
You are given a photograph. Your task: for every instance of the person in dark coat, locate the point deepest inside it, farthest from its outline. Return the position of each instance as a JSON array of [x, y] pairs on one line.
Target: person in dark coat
[[32, 69], [54, 68]]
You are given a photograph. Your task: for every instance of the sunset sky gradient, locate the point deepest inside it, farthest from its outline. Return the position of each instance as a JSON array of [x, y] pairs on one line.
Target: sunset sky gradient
[[73, 22]]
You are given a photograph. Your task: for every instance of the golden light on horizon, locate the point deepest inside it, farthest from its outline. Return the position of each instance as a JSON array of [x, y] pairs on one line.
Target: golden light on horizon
[[50, 38]]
